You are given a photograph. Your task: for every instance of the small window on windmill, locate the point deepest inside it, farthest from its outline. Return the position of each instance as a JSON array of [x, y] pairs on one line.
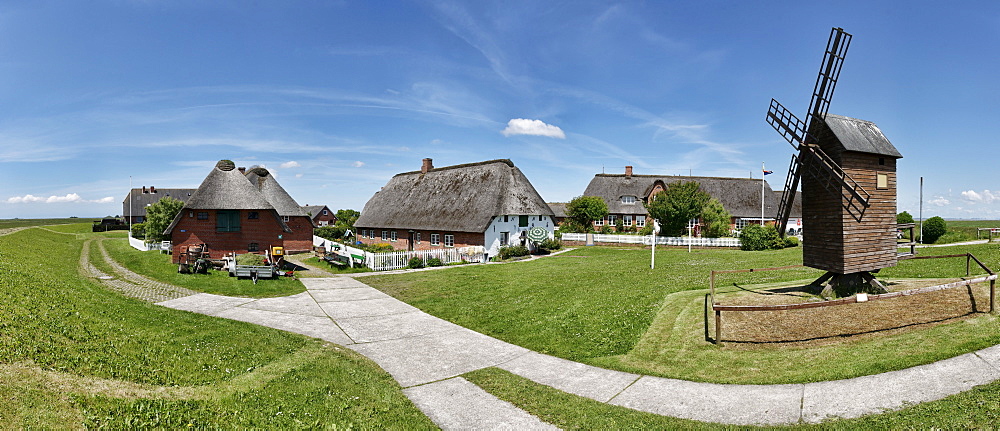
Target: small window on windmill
[[882, 181]]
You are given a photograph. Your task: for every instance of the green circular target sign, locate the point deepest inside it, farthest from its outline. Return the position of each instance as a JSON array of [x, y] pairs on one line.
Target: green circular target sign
[[538, 234]]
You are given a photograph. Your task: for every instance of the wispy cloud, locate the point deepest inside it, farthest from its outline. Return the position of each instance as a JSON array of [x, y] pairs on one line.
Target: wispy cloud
[[71, 197], [985, 196], [523, 126], [288, 165], [358, 164], [939, 201]]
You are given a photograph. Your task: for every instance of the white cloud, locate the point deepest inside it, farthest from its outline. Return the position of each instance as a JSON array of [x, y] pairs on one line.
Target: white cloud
[[291, 164], [939, 201], [358, 164], [985, 196], [298, 175], [522, 126], [71, 197]]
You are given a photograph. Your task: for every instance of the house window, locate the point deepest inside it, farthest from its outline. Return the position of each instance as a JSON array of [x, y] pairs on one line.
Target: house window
[[612, 218], [449, 240], [504, 238], [252, 247], [628, 220], [253, 215], [385, 235], [285, 219], [227, 221], [522, 221], [628, 200], [371, 233], [325, 212], [202, 215], [741, 223], [640, 221], [435, 239], [416, 237], [190, 213], [882, 181], [599, 222], [392, 236]]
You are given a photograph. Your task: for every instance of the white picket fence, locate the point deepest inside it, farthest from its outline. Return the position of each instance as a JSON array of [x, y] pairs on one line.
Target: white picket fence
[[401, 259], [660, 240], [141, 245]]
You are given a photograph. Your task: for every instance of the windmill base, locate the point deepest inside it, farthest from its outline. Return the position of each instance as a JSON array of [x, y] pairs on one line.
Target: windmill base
[[837, 285]]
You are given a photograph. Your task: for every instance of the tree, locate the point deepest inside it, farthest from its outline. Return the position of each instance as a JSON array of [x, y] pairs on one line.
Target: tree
[[160, 215], [347, 217], [585, 209], [675, 206], [904, 218], [716, 219], [933, 229], [755, 237]]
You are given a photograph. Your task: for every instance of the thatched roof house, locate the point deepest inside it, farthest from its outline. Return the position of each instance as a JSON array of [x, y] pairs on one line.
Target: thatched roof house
[[626, 193], [236, 212], [467, 198]]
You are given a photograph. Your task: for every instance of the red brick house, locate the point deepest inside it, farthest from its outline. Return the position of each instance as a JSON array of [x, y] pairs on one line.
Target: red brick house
[[626, 196], [487, 204], [231, 212], [321, 215]]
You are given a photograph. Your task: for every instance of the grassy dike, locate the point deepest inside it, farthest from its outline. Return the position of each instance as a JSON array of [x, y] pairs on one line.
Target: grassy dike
[[74, 354]]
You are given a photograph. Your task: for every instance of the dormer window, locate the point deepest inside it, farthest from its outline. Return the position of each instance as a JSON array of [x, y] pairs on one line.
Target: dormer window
[[628, 200]]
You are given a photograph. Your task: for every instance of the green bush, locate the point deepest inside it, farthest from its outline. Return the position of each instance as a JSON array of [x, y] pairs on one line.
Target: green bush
[[606, 230], [791, 241], [507, 252], [571, 226], [755, 237], [549, 245], [139, 230], [434, 262], [330, 232], [933, 229], [647, 229], [416, 263], [377, 248]]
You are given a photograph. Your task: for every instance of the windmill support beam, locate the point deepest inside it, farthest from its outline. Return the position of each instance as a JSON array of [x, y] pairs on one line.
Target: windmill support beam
[[843, 285]]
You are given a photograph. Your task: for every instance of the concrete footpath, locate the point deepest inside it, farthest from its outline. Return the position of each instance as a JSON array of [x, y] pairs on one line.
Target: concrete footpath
[[426, 355]]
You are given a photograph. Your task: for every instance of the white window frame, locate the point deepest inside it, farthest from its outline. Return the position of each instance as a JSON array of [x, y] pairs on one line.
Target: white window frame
[[504, 238], [435, 239], [612, 218], [385, 235], [392, 235], [599, 222], [416, 237], [449, 240], [628, 200], [627, 220], [640, 221]]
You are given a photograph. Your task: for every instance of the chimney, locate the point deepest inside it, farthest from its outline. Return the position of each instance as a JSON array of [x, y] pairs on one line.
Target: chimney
[[243, 170], [152, 189], [628, 172], [144, 191], [428, 165]]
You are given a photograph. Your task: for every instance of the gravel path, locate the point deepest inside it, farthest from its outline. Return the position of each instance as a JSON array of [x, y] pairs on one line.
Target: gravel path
[[125, 281]]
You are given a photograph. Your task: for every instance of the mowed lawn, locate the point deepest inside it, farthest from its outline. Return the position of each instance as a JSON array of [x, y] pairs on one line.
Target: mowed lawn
[[74, 354], [606, 307]]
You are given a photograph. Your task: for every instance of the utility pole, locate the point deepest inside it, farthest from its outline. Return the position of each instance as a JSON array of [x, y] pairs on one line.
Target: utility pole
[[921, 214]]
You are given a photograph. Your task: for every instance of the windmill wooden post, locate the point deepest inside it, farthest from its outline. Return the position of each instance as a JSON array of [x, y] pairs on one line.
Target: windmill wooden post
[[847, 169]]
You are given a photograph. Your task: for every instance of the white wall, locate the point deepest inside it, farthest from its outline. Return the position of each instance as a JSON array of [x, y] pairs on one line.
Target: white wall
[[498, 225]]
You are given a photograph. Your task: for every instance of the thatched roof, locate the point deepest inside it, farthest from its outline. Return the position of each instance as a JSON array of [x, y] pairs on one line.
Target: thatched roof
[[142, 196], [274, 193], [558, 208], [226, 188], [460, 198], [859, 135], [740, 196]]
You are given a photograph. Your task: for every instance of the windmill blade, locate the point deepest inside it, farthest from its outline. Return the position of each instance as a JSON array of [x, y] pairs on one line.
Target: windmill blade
[[835, 181], [786, 123], [788, 196], [829, 72]]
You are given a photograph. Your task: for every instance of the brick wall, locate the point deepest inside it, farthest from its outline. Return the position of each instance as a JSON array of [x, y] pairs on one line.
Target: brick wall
[[402, 242], [264, 231]]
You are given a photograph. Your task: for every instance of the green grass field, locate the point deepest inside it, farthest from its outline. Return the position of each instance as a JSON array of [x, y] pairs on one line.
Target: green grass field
[[605, 307], [74, 354]]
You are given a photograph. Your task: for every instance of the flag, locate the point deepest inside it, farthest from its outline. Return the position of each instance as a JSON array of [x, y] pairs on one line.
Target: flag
[[768, 172]]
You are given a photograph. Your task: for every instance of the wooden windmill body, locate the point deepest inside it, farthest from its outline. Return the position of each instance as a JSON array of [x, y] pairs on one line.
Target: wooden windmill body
[[847, 170]]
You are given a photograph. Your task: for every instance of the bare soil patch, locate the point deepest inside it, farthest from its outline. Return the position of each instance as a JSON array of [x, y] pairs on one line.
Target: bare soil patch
[[827, 325]]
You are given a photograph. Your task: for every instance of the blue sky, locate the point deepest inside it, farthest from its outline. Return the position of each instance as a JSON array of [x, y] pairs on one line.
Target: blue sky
[[336, 97]]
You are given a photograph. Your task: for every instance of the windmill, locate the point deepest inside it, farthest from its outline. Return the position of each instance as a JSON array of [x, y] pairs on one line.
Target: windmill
[[847, 169]]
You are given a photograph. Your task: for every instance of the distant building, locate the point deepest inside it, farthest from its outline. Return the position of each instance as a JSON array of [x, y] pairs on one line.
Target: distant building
[[626, 195], [321, 215], [232, 211], [135, 203], [485, 204]]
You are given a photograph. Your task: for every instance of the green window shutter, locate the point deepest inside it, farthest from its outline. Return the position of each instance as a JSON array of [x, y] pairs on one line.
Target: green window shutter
[[523, 221], [227, 221]]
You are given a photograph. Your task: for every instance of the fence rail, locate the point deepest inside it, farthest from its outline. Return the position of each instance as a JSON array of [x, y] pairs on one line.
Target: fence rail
[[141, 245], [660, 240], [401, 259]]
